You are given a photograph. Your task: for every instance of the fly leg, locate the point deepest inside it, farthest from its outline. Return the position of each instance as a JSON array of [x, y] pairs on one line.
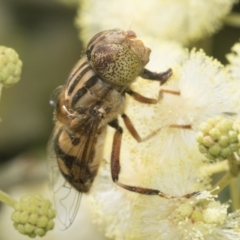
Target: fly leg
[[154, 76], [130, 127], [115, 157], [140, 98], [116, 167]]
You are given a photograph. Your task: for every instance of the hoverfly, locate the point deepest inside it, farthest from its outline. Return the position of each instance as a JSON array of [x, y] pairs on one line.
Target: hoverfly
[[92, 98]]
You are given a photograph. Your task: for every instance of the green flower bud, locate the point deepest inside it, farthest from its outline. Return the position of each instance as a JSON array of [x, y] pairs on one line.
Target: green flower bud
[[208, 141], [39, 232], [20, 228], [199, 137], [15, 217], [51, 213], [225, 152], [234, 147], [33, 216], [214, 121], [202, 149], [215, 149], [215, 133], [42, 221], [23, 218], [205, 128], [50, 225], [233, 136], [218, 138], [223, 141], [10, 66], [28, 228]]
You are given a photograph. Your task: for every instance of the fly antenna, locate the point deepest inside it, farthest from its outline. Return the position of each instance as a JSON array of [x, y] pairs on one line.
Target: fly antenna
[[131, 24]]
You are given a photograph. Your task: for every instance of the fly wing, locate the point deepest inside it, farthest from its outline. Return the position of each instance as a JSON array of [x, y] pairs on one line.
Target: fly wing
[[72, 167]]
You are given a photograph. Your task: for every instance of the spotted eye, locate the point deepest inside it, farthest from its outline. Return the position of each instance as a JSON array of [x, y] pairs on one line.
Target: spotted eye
[[116, 64]]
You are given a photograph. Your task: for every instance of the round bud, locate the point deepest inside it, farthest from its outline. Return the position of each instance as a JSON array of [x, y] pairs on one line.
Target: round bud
[[218, 138], [10, 66], [33, 216]]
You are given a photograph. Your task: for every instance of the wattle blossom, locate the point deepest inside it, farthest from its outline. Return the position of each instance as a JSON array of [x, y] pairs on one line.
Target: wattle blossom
[[234, 62], [169, 161], [182, 21]]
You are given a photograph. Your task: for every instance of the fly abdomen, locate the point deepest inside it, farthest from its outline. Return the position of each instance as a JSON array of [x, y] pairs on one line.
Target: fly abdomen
[[76, 158]]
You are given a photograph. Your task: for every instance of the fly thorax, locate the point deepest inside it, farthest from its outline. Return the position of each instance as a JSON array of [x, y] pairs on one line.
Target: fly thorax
[[116, 64]]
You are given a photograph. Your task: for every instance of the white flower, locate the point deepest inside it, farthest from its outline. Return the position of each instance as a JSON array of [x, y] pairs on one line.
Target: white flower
[[234, 61], [195, 218], [169, 161], [125, 215], [183, 21]]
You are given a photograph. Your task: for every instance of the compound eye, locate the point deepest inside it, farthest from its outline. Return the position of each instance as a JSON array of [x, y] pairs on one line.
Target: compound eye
[[116, 64]]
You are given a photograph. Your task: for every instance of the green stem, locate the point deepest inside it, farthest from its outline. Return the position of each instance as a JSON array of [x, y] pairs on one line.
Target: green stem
[[235, 195], [1, 86], [233, 20], [218, 187], [216, 168], [232, 173], [7, 199]]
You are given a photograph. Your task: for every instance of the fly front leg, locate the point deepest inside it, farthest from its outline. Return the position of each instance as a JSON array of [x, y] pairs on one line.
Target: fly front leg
[[140, 98], [130, 127], [162, 77], [116, 167], [153, 76]]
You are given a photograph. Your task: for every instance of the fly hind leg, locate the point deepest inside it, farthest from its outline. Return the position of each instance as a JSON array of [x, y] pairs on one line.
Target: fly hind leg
[[115, 157], [116, 167]]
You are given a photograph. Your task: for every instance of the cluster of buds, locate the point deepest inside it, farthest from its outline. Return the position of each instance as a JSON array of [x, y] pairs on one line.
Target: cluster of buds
[[10, 66], [33, 216], [218, 138]]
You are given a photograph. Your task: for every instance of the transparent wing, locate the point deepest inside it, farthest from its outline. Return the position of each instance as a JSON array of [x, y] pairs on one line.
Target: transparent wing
[[66, 198]]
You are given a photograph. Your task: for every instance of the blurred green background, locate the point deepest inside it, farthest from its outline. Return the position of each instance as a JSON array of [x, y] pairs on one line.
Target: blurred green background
[[43, 34]]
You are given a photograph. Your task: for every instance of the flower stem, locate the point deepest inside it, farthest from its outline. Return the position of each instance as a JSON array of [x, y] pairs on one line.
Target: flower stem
[[233, 20], [216, 168], [232, 173], [235, 194], [1, 90], [218, 187], [7, 199]]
